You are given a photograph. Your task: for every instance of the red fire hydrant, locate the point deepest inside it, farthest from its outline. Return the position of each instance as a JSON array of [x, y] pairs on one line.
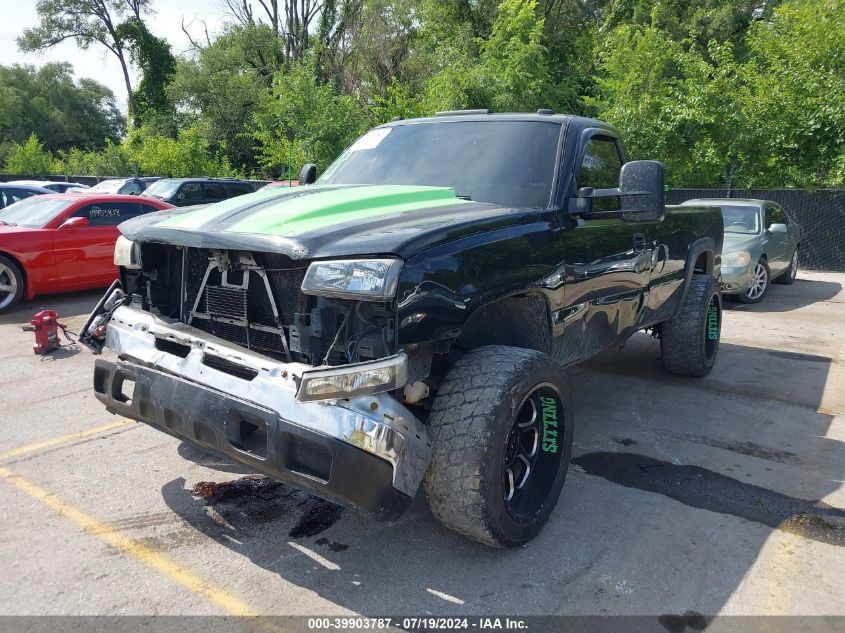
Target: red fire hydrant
[[46, 325]]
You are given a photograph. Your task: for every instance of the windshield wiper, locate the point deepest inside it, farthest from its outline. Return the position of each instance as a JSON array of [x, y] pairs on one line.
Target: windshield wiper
[[462, 197]]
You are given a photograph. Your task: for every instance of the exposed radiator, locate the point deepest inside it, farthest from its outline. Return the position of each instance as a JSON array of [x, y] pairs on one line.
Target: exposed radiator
[[244, 316], [226, 302]]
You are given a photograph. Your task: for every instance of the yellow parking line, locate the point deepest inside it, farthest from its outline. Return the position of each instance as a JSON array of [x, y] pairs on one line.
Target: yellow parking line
[[110, 535], [37, 446]]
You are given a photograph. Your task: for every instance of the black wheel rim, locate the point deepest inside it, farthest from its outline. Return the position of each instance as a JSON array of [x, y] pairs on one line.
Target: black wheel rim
[[712, 327], [533, 451]]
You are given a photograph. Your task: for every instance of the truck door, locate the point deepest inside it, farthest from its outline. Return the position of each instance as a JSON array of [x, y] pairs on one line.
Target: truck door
[[607, 260]]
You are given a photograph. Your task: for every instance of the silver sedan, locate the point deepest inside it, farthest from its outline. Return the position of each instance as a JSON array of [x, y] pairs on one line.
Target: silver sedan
[[761, 246]]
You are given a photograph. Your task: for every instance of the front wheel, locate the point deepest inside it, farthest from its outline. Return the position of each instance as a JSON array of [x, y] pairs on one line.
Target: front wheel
[[502, 428], [11, 284], [759, 287], [690, 340]]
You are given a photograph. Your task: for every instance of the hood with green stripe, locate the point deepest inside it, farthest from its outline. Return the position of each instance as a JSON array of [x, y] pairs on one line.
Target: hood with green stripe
[[319, 221]]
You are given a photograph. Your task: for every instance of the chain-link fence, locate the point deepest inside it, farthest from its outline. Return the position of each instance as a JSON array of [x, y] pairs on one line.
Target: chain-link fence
[[820, 214]]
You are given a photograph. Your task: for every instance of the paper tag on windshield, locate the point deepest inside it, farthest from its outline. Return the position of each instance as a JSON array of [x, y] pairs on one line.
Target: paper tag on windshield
[[370, 140]]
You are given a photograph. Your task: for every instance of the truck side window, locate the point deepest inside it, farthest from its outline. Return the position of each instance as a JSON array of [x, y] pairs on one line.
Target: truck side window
[[214, 191], [600, 169]]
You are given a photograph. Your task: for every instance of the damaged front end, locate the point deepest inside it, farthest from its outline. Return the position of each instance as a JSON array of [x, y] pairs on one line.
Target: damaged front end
[[290, 367]]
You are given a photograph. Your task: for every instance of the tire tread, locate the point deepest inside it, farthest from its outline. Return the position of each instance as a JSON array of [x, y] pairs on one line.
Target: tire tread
[[461, 432]]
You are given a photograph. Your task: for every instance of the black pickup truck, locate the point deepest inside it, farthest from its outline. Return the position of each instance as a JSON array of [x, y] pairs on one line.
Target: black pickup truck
[[407, 318]]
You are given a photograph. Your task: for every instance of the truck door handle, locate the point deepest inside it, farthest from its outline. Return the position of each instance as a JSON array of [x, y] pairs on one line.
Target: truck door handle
[[639, 243]]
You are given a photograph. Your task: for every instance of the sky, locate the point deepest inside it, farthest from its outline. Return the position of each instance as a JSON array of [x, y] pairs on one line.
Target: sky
[[96, 62]]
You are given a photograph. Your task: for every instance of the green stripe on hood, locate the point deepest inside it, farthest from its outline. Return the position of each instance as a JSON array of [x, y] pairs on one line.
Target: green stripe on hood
[[196, 219], [322, 209]]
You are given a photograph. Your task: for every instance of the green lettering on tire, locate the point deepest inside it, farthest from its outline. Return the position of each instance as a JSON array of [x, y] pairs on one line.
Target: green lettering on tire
[[713, 322], [550, 424]]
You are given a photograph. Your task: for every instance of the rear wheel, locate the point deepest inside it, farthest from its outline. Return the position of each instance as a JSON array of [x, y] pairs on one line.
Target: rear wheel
[[759, 287], [690, 340], [502, 428], [11, 284], [787, 277]]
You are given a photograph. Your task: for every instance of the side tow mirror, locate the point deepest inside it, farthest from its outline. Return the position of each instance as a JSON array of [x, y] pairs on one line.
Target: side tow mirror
[[777, 227], [74, 223], [642, 191], [308, 174]]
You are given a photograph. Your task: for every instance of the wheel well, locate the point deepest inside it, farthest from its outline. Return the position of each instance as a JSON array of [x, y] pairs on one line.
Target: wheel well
[[521, 321], [704, 263]]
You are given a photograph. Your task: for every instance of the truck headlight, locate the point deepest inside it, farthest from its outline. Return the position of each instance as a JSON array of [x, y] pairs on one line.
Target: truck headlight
[[127, 253], [373, 279], [739, 259], [359, 379]]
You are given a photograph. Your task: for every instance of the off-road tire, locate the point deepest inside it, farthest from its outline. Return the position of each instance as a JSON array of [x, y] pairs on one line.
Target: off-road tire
[[13, 269], [686, 340], [787, 277], [472, 420], [743, 296]]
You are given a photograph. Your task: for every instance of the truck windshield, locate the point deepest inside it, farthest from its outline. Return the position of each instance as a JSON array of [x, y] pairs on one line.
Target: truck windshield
[[510, 163], [163, 188], [741, 218]]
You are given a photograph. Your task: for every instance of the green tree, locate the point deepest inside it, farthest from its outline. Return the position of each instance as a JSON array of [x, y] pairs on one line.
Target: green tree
[[304, 117], [87, 22], [725, 21], [51, 104], [153, 56], [514, 58], [686, 107], [187, 155], [798, 75], [219, 87], [115, 159], [30, 158]]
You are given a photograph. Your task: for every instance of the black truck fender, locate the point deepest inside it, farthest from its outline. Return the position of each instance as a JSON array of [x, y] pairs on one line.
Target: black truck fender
[[517, 321], [701, 259]]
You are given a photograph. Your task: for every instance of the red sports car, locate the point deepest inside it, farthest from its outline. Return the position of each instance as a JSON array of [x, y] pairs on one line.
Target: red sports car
[[62, 242]]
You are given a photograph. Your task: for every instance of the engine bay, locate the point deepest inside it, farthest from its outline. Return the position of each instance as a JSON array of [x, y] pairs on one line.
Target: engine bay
[[255, 301]]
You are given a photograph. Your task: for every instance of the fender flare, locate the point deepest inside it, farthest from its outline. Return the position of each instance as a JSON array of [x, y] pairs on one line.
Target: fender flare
[[514, 319], [703, 245]]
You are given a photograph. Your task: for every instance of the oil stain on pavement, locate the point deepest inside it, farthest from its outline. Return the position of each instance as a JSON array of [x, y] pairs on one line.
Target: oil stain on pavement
[[708, 490], [259, 499]]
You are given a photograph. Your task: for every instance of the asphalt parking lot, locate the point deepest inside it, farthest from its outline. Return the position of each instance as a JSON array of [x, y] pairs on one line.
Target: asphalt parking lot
[[723, 495]]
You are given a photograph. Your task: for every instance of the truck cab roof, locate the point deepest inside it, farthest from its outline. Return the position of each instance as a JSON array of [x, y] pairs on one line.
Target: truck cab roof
[[548, 116]]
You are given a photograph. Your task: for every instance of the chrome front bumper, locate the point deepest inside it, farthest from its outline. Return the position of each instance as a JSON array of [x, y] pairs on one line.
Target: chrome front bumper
[[376, 424]]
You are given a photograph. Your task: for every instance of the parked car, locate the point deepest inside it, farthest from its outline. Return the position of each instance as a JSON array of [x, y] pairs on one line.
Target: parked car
[[59, 242], [10, 194], [56, 186], [190, 191], [124, 186], [761, 246], [406, 320]]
